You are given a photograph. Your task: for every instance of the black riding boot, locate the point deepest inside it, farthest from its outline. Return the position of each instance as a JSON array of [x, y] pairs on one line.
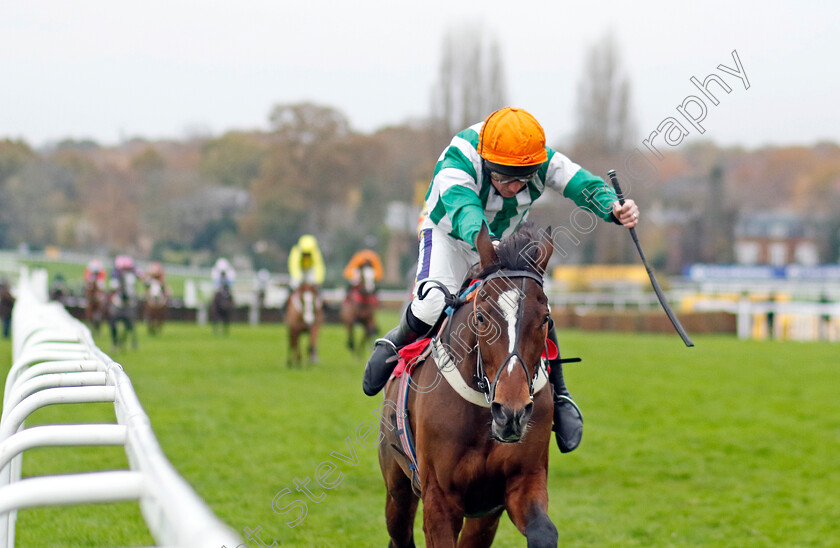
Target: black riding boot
[[384, 358], [568, 420]]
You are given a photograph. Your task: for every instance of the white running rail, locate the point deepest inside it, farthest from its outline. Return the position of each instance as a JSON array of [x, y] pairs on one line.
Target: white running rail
[[56, 361]]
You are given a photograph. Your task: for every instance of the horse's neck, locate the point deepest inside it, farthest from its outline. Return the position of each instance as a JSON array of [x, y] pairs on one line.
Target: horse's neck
[[460, 339], [307, 303]]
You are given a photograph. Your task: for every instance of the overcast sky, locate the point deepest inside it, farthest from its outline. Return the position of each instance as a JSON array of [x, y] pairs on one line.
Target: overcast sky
[[109, 70]]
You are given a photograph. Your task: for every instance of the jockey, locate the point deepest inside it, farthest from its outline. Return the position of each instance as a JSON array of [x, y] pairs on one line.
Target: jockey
[[124, 271], [222, 274], [306, 265], [365, 257], [155, 273], [95, 272], [491, 173]]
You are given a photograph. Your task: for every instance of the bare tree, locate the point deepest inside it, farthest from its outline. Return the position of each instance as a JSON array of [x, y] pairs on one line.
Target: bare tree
[[471, 81], [604, 133], [604, 122]]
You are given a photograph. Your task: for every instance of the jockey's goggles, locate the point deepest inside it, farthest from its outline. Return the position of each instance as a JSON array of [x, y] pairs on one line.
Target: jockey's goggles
[[504, 180]]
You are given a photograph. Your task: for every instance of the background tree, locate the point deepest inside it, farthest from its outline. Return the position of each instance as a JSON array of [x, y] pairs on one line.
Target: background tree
[[14, 156], [232, 159], [604, 134], [604, 122], [471, 82]]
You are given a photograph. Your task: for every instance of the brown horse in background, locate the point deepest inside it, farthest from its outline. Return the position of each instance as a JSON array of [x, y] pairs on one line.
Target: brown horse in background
[[157, 302], [95, 305], [481, 448], [304, 314], [359, 307]]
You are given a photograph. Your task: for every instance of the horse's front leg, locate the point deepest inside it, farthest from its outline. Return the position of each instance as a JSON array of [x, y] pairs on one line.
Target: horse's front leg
[[350, 343], [527, 505], [313, 344], [293, 357], [400, 503], [479, 532], [443, 516]]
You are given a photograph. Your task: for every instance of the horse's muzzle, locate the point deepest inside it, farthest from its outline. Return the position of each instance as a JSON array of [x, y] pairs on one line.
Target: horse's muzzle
[[509, 426]]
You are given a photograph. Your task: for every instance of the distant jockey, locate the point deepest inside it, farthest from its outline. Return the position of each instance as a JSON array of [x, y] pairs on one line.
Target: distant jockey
[[306, 264], [362, 273], [155, 271], [155, 280], [95, 272], [123, 280], [223, 274], [365, 257]]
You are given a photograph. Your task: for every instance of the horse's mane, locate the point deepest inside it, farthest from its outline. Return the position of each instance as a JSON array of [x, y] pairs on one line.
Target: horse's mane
[[516, 252]]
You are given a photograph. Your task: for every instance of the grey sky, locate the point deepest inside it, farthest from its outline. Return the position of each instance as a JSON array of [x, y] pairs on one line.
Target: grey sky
[[162, 68]]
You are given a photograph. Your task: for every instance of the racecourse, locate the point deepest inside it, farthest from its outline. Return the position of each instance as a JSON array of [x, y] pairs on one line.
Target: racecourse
[[731, 443]]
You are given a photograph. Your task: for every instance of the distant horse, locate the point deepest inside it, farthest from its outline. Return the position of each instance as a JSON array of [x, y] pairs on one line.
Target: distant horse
[[304, 314], [479, 411], [122, 308], [96, 305], [359, 307], [157, 301], [221, 310]]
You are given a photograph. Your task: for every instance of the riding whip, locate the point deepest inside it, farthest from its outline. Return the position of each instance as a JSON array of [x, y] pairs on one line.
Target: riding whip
[[659, 294]]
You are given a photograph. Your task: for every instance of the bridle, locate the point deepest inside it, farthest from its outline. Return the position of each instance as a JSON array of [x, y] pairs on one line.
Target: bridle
[[481, 378]]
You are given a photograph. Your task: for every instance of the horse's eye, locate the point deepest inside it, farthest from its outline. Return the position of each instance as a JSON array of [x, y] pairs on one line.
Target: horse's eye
[[546, 319], [479, 317]]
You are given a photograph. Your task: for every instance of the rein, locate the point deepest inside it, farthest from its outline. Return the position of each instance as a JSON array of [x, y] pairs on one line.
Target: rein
[[446, 364]]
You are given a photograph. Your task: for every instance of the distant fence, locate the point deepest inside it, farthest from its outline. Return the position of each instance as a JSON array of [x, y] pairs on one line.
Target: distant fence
[[793, 320], [55, 361]]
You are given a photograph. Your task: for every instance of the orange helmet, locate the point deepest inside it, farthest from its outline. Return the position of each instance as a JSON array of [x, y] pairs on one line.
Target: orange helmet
[[512, 142]]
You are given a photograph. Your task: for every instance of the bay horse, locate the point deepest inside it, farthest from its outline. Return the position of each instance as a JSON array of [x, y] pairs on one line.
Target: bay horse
[[157, 301], [221, 310], [122, 308], [479, 410], [95, 305], [359, 307], [304, 314]]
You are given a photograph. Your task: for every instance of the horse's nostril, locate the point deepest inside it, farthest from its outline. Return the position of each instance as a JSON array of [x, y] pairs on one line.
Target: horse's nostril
[[499, 412], [526, 412]]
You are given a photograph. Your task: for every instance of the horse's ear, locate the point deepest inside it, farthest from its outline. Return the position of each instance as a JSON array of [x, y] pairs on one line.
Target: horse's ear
[[484, 245], [546, 247]]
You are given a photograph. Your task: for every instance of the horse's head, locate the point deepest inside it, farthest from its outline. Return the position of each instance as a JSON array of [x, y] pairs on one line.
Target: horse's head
[[155, 294], [510, 320], [367, 282], [308, 302]]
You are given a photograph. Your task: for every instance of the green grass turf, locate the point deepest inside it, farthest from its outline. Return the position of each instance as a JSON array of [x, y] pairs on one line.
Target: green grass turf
[[730, 444]]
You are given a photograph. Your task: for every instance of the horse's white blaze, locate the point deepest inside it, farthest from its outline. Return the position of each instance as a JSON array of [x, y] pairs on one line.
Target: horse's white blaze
[[155, 290], [368, 278], [509, 305], [308, 308]]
